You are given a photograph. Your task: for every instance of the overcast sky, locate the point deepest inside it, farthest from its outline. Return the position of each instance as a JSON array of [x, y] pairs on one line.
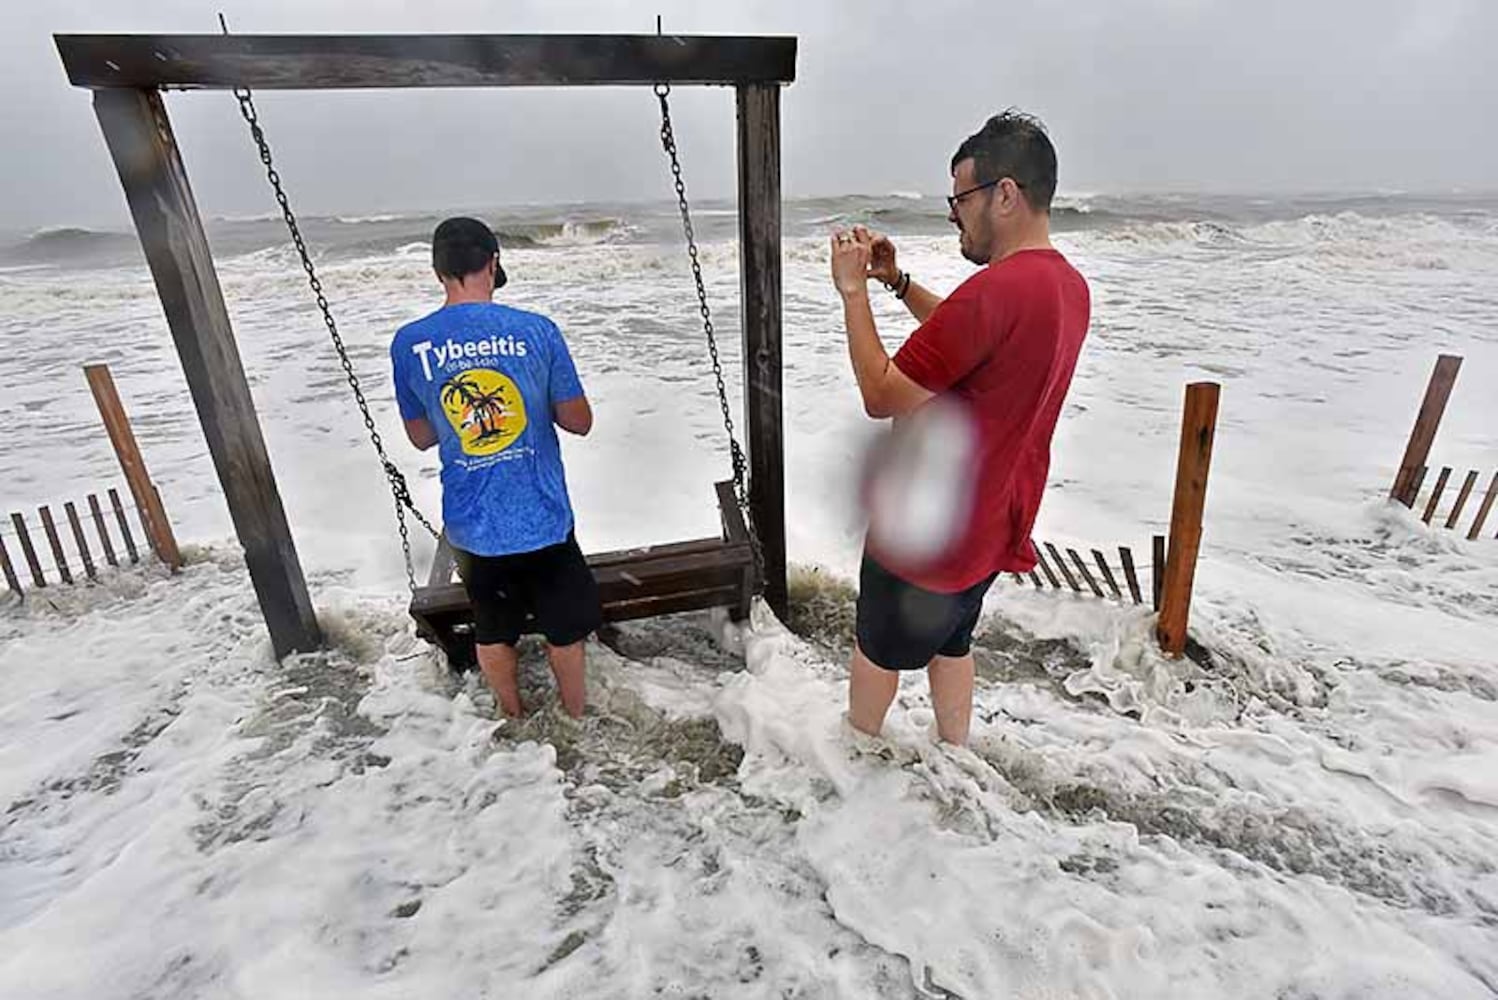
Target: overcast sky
[[1140, 95]]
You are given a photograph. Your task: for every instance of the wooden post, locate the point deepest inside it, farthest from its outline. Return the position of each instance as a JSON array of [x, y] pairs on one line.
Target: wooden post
[[1086, 576], [117, 423], [1484, 509], [1046, 568], [140, 140], [79, 540], [1157, 567], [760, 289], [124, 523], [1071, 581], [58, 557], [1461, 499], [1126, 556], [1435, 494], [1198, 429], [1106, 570], [11, 580], [28, 550], [1423, 434], [94, 509]]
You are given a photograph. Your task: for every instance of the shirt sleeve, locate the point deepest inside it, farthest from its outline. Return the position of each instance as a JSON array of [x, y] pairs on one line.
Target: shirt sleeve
[[562, 373], [406, 400], [954, 340]]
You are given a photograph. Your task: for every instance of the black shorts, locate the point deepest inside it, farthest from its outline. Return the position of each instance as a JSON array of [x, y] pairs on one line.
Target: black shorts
[[901, 626], [550, 590]]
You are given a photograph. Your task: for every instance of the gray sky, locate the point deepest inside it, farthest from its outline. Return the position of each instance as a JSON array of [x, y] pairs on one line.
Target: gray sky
[[1140, 95]]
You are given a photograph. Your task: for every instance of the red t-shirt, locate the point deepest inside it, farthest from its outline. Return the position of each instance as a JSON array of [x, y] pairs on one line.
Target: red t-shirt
[[1003, 346]]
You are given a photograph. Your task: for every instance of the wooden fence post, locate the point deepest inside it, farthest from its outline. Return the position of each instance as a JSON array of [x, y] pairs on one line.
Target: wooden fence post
[[50, 527], [117, 423], [1461, 499], [1157, 568], [1194, 462], [28, 550], [79, 540], [94, 509], [1435, 493], [124, 523], [1423, 435], [11, 580], [1484, 509], [1126, 556]]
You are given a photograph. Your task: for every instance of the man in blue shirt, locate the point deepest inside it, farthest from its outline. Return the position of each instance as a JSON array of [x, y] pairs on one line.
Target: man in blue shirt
[[489, 384]]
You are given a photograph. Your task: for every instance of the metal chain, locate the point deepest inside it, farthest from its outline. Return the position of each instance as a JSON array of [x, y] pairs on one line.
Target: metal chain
[[736, 454], [399, 491]]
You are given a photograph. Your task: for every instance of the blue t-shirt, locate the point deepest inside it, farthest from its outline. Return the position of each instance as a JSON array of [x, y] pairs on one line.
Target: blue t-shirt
[[486, 377]]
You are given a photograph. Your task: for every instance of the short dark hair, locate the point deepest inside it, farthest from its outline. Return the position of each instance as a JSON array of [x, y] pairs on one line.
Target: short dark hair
[[1013, 144], [462, 246]]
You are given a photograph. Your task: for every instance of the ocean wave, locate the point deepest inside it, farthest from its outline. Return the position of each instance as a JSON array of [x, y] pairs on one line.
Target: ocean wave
[[72, 236], [360, 220], [567, 233], [256, 217]]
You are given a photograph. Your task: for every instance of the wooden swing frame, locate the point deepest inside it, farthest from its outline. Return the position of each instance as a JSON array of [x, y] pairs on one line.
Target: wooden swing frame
[[128, 73]]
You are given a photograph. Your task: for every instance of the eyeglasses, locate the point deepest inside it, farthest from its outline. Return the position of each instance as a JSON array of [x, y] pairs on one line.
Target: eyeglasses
[[953, 199]]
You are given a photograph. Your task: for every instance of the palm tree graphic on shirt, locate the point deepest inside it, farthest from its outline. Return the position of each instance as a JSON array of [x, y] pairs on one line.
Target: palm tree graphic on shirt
[[486, 410]]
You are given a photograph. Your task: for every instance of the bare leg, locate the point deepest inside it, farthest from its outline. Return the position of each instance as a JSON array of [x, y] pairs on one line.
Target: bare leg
[[568, 665], [500, 664], [952, 696], [870, 691]]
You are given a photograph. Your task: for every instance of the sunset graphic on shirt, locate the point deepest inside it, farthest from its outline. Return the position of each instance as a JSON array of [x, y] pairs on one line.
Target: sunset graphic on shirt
[[486, 410]]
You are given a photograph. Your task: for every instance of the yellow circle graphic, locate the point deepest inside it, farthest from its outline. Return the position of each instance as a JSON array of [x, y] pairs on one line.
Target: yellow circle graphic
[[485, 408]]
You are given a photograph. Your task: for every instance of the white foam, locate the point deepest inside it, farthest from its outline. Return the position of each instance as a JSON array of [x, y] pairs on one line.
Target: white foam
[[1311, 814]]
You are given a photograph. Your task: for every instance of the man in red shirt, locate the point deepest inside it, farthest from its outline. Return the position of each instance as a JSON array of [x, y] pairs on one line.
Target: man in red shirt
[[998, 353]]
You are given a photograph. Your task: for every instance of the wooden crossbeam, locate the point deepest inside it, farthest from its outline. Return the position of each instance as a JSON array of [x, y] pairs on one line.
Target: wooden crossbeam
[[342, 62]]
